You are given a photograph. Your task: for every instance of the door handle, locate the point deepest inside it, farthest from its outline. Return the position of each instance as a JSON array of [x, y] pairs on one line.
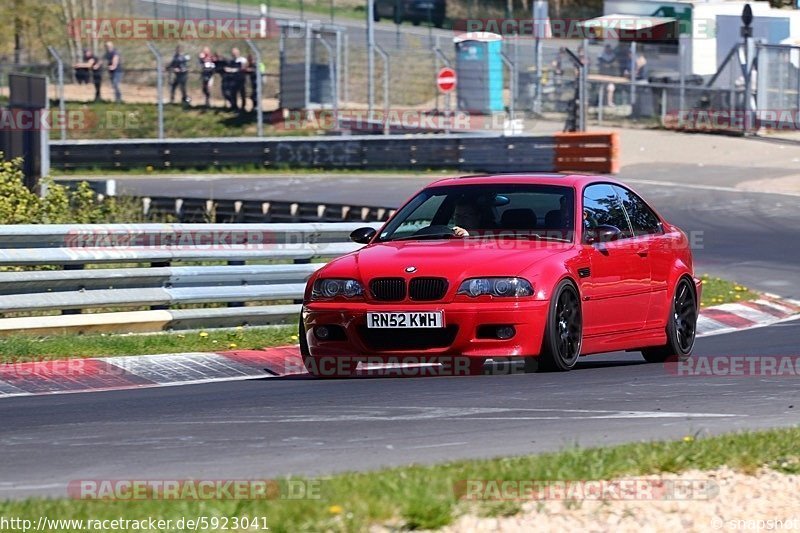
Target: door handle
[[643, 252]]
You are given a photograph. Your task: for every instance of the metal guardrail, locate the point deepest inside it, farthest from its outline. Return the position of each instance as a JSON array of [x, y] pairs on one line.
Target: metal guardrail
[[465, 152], [136, 270], [255, 211]]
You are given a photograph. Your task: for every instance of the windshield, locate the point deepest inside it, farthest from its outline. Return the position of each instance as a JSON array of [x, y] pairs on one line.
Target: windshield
[[466, 211]]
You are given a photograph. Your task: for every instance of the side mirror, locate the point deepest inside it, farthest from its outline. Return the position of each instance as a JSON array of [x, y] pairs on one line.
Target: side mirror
[[602, 234], [363, 235]]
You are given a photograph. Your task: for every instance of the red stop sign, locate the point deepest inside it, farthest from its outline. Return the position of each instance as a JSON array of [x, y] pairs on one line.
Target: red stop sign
[[446, 80]]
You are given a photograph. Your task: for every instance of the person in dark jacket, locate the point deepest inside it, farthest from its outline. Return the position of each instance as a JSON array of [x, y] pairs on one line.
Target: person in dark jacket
[[90, 68], [114, 61], [179, 68], [208, 64]]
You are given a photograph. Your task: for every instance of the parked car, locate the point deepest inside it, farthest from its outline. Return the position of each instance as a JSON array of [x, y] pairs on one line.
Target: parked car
[[546, 267], [416, 11]]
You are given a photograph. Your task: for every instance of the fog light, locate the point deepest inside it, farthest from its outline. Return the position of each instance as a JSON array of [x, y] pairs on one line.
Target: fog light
[[505, 332], [322, 332]]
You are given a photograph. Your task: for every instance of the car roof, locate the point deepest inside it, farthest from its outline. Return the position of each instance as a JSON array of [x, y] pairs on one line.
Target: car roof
[[567, 180]]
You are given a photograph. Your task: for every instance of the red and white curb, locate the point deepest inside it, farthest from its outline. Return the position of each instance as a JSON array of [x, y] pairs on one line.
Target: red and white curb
[[142, 371], [131, 372], [726, 318]]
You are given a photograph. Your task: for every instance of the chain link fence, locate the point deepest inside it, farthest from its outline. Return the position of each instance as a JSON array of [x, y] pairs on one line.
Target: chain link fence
[[323, 66]]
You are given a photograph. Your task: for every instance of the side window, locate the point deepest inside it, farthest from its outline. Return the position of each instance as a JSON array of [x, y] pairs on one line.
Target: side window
[[601, 207], [643, 220]]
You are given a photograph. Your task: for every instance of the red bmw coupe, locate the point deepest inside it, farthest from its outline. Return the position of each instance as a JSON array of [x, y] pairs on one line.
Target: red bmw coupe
[[544, 267]]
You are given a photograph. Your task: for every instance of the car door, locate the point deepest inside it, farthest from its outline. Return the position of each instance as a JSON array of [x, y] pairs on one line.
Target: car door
[[616, 290], [649, 234]]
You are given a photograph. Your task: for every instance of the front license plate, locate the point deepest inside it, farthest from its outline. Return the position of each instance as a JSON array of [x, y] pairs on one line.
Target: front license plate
[[423, 319]]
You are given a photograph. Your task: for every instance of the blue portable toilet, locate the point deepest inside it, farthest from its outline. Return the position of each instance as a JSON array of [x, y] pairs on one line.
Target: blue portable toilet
[[479, 70]]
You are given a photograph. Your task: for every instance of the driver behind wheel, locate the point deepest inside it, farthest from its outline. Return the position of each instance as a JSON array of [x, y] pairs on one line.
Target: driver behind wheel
[[466, 214]]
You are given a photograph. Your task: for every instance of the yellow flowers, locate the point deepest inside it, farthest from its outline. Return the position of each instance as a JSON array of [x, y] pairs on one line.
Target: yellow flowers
[[688, 438], [335, 509], [233, 345], [295, 337], [203, 334]]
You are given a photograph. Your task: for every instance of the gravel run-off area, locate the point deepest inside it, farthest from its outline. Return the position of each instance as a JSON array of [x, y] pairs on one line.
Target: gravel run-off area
[[716, 500]]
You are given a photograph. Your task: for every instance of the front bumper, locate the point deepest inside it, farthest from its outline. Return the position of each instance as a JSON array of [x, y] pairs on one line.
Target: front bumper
[[460, 337]]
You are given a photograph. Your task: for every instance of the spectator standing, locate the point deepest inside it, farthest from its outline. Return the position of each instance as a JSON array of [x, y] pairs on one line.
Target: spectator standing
[[114, 62], [208, 63], [239, 65], [91, 67], [229, 72], [179, 67]]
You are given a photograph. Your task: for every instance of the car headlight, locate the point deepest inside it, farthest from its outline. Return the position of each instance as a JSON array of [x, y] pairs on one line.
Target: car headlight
[[333, 287], [501, 287]]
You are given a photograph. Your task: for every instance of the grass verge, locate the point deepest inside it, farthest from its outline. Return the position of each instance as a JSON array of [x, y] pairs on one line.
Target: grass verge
[[108, 120], [718, 291], [20, 348], [419, 497]]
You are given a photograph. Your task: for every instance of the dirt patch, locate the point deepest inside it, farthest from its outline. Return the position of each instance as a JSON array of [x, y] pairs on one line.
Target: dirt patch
[[716, 500]]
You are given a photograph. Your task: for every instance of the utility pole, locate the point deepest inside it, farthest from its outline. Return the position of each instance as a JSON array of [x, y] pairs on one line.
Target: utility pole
[[747, 34], [370, 56]]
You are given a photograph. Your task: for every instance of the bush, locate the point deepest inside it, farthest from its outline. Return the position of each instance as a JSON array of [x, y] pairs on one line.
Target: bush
[[19, 205]]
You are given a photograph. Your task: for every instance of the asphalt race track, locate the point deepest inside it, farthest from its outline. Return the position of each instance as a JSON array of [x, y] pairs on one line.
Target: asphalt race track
[[263, 428], [305, 426]]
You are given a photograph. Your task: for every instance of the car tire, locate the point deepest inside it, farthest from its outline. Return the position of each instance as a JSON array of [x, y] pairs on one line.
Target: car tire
[[416, 22], [375, 15], [341, 369], [438, 21], [563, 333], [681, 326]]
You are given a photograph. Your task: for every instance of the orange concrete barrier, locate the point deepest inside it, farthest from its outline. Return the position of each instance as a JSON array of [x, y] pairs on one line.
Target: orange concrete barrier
[[587, 152]]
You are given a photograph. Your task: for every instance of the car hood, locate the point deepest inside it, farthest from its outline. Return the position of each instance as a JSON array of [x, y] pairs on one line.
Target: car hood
[[454, 258]]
